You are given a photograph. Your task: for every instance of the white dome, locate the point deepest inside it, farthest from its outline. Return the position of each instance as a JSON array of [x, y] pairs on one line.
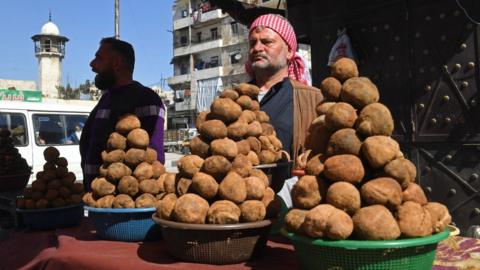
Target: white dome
[[50, 29]]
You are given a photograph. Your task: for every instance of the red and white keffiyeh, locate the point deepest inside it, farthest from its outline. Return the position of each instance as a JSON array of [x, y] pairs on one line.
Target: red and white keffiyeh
[[296, 67]]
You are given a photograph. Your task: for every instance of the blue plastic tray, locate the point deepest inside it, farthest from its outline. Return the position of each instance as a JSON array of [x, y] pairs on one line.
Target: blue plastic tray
[[129, 225], [51, 218]]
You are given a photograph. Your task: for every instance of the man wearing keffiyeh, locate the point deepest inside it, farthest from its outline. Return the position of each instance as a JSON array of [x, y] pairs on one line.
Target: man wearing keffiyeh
[[276, 68]]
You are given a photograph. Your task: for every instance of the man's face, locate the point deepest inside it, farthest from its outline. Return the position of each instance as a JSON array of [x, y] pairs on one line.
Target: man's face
[[268, 51], [103, 65]]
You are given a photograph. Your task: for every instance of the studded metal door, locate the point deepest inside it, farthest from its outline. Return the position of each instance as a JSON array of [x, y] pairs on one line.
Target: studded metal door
[[424, 57], [445, 117]]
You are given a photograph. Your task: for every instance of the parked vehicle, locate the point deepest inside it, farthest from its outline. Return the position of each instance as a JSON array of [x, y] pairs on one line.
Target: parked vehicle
[[176, 140], [35, 126]]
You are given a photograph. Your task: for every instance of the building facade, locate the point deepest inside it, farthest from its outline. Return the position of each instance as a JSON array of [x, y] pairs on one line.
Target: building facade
[[209, 53]]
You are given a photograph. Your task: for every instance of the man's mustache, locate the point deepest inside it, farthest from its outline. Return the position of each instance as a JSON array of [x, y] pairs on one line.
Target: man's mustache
[[262, 55]]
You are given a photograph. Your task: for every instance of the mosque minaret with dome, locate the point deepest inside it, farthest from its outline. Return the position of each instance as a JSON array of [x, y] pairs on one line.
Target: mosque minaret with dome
[[50, 50]]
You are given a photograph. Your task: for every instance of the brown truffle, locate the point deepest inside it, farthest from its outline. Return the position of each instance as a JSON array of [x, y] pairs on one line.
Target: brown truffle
[[191, 208], [344, 68], [344, 196], [189, 165], [216, 166], [375, 222], [347, 168], [204, 185], [359, 92], [306, 192], [384, 190], [375, 119], [127, 123], [138, 138], [233, 188], [223, 212], [414, 220], [331, 88]]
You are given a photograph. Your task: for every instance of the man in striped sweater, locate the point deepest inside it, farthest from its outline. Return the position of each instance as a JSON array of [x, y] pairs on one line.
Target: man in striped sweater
[[114, 63]]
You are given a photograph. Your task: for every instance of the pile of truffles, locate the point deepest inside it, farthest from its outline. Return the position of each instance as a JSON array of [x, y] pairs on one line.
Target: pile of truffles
[[11, 162], [217, 183], [129, 175], [54, 186], [358, 183]]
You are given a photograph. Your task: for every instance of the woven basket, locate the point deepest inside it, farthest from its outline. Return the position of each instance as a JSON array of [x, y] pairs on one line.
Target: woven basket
[[128, 225], [403, 254], [212, 243]]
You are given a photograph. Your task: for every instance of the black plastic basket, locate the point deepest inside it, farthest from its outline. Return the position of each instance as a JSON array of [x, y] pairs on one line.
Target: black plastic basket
[[212, 243]]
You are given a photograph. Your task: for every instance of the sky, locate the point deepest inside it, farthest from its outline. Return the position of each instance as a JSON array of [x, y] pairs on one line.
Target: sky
[[146, 24]]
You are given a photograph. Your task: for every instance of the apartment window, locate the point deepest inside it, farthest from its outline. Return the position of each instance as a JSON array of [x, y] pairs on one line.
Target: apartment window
[[214, 61], [199, 37], [183, 40], [183, 68], [234, 27], [214, 32]]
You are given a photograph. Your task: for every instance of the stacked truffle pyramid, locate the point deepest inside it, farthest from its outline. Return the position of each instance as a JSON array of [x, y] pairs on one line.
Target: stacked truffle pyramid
[[54, 186], [358, 184], [217, 183], [129, 175]]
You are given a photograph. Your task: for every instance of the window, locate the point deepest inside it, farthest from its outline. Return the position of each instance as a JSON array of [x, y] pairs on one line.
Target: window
[[214, 32], [47, 45], [234, 27], [57, 129], [16, 123], [183, 68], [214, 61], [199, 37], [183, 41]]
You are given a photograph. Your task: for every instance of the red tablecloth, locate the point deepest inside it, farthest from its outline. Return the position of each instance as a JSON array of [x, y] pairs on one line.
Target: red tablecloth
[[79, 248]]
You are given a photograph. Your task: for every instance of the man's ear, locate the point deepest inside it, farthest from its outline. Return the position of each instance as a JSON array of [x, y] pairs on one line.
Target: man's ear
[[116, 62], [290, 53]]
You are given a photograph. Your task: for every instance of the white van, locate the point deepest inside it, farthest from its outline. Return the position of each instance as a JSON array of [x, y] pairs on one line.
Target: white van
[[35, 126]]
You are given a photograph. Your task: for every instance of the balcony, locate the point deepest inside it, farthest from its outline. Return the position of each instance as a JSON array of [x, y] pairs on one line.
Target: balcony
[[179, 79], [208, 73], [202, 17], [181, 23], [205, 44]]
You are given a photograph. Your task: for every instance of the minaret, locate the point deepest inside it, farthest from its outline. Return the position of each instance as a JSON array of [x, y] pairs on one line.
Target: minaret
[[50, 50]]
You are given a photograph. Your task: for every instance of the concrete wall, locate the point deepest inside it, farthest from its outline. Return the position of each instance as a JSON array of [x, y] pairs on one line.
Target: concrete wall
[[18, 84]]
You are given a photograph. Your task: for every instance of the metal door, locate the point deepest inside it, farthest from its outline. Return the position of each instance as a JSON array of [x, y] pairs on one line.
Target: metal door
[[424, 58], [423, 55]]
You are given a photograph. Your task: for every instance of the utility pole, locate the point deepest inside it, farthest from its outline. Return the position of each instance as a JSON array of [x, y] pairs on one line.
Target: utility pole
[[117, 19]]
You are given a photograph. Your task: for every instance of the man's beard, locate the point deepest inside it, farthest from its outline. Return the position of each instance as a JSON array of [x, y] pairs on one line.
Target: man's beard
[[266, 66], [105, 80]]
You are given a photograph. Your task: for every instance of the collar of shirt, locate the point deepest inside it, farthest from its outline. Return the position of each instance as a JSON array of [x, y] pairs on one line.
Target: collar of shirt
[[273, 90]]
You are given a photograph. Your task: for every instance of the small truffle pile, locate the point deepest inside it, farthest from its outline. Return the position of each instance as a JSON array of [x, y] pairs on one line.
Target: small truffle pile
[[11, 162], [54, 186], [358, 183], [130, 174], [217, 183]]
